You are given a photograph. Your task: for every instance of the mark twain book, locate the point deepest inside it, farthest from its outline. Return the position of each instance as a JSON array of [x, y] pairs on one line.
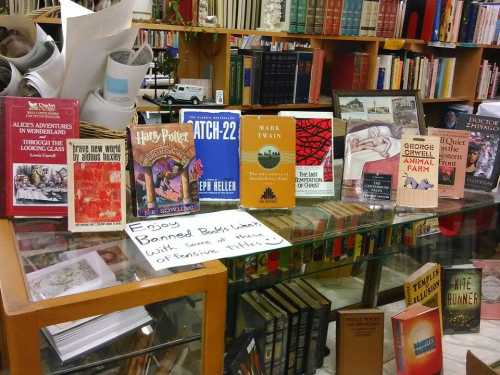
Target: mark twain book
[[165, 170], [418, 172], [33, 133], [313, 153], [483, 160], [417, 340], [461, 299], [217, 142], [360, 342], [424, 286], [452, 160], [96, 184], [267, 149]]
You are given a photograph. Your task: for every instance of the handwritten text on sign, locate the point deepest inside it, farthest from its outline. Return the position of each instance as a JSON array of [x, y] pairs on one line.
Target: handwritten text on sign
[[180, 241]]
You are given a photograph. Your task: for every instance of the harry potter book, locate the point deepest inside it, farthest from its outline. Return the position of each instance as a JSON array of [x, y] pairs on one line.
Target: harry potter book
[[418, 340], [483, 160], [34, 173], [96, 184], [217, 142], [452, 161], [360, 342], [461, 299], [418, 172], [165, 170], [267, 148], [314, 153]]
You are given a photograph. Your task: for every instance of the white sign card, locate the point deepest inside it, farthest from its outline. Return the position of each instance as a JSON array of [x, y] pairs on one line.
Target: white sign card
[[180, 241]]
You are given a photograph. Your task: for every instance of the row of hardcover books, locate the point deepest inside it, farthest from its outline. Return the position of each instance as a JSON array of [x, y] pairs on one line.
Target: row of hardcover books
[[432, 75], [262, 77], [157, 38], [487, 86]]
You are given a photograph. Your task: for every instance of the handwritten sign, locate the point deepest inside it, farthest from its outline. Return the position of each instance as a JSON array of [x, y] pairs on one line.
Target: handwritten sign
[[180, 241]]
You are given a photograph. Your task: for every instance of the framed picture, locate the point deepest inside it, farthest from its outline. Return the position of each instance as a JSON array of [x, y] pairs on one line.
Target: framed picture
[[402, 108]]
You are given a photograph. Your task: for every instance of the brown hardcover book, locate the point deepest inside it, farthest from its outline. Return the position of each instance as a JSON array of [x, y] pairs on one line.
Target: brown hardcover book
[[360, 335], [267, 149], [418, 172], [452, 161], [474, 366]]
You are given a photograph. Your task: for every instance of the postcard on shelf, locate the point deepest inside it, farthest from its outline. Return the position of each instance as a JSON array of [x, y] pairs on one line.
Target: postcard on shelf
[[313, 153], [80, 274], [483, 160], [217, 142], [165, 170], [452, 161], [490, 288], [418, 172], [461, 299], [33, 133], [267, 173], [96, 185], [417, 340], [372, 151]]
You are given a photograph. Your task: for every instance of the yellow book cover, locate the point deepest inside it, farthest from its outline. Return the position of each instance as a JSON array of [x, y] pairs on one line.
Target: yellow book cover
[[424, 286], [267, 152]]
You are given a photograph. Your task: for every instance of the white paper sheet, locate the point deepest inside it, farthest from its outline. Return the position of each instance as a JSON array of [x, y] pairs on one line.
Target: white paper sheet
[[99, 111], [179, 241], [15, 78]]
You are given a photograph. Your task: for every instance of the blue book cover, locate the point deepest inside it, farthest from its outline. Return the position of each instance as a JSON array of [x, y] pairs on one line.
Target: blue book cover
[[357, 10], [437, 22], [381, 78], [439, 80], [217, 143]]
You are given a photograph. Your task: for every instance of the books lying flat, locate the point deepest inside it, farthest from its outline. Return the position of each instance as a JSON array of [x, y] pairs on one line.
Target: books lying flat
[[91, 334]]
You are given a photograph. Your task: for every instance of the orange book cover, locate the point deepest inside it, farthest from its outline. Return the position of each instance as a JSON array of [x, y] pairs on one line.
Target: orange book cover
[[417, 340], [267, 151], [452, 161]]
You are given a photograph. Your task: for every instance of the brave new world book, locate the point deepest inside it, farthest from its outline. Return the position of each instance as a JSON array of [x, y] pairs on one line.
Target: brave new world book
[[165, 170], [34, 172], [217, 142]]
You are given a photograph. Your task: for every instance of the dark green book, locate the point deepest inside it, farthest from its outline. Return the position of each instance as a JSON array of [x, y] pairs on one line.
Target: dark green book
[[232, 79], [461, 299], [239, 80], [293, 328]]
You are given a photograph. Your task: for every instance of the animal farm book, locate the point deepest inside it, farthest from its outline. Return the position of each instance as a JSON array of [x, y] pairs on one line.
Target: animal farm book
[[33, 133], [96, 184], [267, 149], [452, 160], [461, 299], [165, 170], [483, 164], [418, 172], [417, 340], [217, 142], [313, 153]]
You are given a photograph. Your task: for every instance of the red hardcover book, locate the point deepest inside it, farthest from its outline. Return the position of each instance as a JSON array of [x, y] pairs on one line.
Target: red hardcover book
[[349, 71], [428, 23], [337, 16], [33, 133], [316, 75], [328, 21], [417, 340], [382, 14], [390, 19]]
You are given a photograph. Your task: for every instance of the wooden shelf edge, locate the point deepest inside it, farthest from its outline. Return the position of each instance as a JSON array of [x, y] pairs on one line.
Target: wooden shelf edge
[[447, 100]]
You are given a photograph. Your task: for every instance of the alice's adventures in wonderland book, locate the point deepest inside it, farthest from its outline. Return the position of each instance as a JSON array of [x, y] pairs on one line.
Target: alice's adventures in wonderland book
[[165, 170], [452, 160], [483, 164], [418, 172], [96, 184], [313, 153], [33, 170], [217, 143]]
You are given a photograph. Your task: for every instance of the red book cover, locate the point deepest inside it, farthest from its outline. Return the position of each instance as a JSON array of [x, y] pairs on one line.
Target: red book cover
[[350, 71], [382, 10], [428, 24], [328, 22], [417, 340], [316, 75], [34, 171], [337, 16]]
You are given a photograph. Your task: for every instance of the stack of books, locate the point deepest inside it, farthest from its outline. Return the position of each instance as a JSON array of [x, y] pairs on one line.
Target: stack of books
[[487, 86]]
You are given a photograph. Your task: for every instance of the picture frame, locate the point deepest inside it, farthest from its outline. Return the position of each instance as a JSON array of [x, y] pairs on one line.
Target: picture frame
[[380, 98]]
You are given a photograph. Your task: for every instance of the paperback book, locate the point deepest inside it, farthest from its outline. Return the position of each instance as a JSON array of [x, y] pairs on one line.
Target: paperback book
[[461, 299], [165, 170], [34, 172], [490, 288], [313, 153], [418, 172], [483, 160], [96, 185], [217, 142], [452, 161], [267, 170]]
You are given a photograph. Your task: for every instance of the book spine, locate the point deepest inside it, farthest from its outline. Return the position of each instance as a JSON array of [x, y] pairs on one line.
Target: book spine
[[357, 9], [310, 17], [239, 80], [301, 342], [293, 16], [364, 23], [301, 16], [398, 346], [247, 80], [232, 80], [437, 20], [328, 23], [346, 18], [292, 344], [374, 17], [319, 16], [256, 76], [337, 17]]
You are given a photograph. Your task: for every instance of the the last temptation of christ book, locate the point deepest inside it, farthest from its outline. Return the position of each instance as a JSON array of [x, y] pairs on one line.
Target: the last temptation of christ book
[[418, 172], [96, 184]]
